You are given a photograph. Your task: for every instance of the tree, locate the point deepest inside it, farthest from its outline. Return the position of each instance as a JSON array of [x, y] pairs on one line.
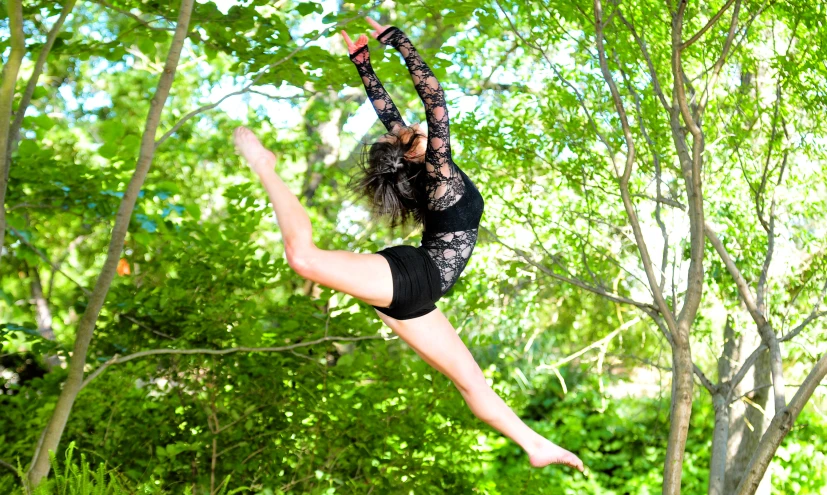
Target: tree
[[643, 167], [647, 46]]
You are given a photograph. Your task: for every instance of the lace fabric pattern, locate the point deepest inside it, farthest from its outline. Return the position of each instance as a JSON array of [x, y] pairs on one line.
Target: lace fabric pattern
[[444, 185]]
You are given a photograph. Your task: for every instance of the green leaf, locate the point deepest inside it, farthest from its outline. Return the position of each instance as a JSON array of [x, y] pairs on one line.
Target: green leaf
[[307, 8]]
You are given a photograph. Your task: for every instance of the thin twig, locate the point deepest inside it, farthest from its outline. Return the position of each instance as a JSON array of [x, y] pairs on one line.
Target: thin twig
[[218, 352], [262, 73], [45, 258], [569, 280]]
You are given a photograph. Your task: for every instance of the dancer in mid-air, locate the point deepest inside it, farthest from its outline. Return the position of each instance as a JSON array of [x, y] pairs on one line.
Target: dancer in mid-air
[[407, 175]]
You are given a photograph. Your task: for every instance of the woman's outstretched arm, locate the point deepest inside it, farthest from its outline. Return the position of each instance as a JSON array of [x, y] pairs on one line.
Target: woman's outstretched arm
[[446, 186], [429, 90], [379, 97]]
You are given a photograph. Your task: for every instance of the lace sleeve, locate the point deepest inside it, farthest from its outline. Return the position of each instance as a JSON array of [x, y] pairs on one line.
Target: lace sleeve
[[446, 183], [380, 98]]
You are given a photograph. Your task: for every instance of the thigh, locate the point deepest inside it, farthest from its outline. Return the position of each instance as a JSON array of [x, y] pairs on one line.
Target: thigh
[[434, 338], [366, 277]]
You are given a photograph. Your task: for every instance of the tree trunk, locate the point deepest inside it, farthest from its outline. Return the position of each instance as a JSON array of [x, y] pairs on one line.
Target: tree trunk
[[54, 430], [781, 424], [43, 316], [679, 414], [746, 422], [14, 131], [718, 462], [10, 71]]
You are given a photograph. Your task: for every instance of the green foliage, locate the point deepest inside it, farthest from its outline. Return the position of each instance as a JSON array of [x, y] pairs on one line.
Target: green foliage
[[74, 479], [203, 266]]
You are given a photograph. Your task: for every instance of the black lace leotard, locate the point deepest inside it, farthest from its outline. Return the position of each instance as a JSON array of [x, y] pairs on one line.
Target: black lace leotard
[[454, 205]]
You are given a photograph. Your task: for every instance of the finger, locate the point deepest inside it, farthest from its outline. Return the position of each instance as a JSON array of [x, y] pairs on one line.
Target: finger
[[375, 25], [348, 41], [363, 40]]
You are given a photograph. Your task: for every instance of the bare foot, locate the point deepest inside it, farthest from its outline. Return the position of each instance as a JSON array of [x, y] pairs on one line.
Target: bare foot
[[546, 453], [258, 157]]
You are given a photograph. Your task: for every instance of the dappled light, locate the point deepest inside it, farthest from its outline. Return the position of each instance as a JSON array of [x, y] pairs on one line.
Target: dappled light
[[373, 247]]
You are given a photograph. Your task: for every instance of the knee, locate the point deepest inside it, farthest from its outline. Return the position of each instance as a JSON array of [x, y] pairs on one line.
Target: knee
[[471, 382], [300, 258]]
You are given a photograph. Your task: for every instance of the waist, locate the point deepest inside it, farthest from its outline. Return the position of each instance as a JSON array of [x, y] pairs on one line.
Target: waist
[[465, 214]]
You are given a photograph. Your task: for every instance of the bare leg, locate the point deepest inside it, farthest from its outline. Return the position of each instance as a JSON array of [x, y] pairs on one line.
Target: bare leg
[[367, 277], [364, 276], [433, 337]]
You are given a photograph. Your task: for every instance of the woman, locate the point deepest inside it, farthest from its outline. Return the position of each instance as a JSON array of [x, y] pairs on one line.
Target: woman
[[407, 175]]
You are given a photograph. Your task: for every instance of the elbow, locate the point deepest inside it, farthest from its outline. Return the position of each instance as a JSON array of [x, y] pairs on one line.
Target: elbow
[[301, 259]]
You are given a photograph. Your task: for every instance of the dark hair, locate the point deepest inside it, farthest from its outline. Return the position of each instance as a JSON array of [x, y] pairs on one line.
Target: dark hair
[[389, 180]]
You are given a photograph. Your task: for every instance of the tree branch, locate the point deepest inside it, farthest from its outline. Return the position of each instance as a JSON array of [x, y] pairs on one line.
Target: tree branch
[[708, 25], [743, 289], [652, 73], [706, 382], [814, 315], [255, 79], [764, 328], [25, 100], [577, 283], [218, 352], [10, 467], [656, 162], [716, 69], [593, 345], [580, 99], [53, 266], [17, 40], [39, 467], [744, 369], [627, 172], [129, 14], [781, 424]]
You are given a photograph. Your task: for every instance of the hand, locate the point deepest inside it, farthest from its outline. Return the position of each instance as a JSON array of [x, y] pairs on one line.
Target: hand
[[354, 47], [379, 29]]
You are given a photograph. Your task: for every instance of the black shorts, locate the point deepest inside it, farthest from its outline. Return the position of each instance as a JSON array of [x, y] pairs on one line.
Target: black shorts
[[416, 282]]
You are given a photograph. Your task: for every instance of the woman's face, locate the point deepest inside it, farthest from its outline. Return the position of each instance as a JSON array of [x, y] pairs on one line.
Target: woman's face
[[405, 134]]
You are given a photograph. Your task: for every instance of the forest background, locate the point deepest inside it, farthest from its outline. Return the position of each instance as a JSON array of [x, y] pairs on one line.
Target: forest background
[[648, 289]]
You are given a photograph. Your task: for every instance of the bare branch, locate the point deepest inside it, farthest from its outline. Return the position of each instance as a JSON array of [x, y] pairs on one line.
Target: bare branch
[[814, 315], [762, 387], [652, 73], [9, 466], [573, 281], [37, 70], [795, 331], [156, 332], [740, 283], [764, 328], [744, 369], [716, 69], [679, 91], [627, 172], [706, 382], [656, 162], [770, 226], [219, 352], [129, 14]]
